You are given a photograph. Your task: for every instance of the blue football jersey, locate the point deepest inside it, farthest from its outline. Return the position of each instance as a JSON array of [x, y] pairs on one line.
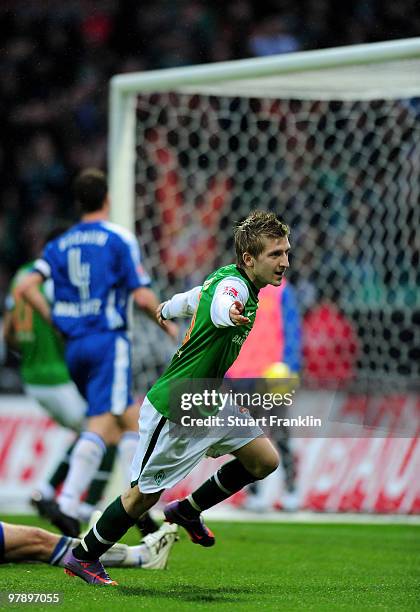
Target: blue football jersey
[[95, 267]]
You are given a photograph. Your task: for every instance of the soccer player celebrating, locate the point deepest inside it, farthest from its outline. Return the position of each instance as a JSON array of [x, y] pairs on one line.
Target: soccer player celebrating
[[224, 311], [20, 543], [96, 267]]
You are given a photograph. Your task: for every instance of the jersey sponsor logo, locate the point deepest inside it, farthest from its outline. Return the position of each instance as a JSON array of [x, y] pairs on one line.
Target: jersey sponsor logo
[[227, 290], [240, 338], [76, 309]]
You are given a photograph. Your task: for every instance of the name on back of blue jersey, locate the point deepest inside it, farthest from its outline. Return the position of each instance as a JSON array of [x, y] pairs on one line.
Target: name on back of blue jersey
[[86, 237]]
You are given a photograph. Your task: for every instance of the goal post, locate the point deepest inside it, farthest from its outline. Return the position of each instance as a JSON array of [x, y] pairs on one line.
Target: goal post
[[329, 139]]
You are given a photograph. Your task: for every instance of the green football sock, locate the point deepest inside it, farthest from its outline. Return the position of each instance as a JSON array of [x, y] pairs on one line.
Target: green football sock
[[228, 479], [110, 528]]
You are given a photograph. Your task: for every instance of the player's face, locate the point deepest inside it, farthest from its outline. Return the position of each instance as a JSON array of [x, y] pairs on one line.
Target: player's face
[[269, 267]]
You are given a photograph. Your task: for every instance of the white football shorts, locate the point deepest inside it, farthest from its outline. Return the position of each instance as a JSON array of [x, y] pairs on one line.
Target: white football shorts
[[162, 460], [63, 403]]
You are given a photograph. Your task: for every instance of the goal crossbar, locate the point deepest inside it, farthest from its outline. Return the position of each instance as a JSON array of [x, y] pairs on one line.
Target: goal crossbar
[[125, 87]]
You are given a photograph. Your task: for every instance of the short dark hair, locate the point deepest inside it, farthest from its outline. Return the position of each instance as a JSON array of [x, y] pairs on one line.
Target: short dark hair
[[90, 189], [249, 234]]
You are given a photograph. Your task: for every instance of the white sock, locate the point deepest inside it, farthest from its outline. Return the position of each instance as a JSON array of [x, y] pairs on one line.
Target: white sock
[[85, 460], [47, 491], [127, 449], [121, 555], [85, 511], [137, 556], [64, 545]]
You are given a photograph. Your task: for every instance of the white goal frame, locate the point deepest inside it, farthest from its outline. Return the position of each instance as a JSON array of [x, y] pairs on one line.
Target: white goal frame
[[124, 89]]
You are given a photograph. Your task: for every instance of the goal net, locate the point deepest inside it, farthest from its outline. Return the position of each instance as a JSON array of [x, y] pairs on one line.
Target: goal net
[[328, 140]]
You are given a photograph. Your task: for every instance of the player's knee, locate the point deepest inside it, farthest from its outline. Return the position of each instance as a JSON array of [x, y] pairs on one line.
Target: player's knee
[[266, 464], [150, 499], [137, 503]]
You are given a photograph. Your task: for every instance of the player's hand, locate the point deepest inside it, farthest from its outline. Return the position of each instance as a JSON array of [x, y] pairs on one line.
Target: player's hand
[[235, 314], [168, 327], [159, 318]]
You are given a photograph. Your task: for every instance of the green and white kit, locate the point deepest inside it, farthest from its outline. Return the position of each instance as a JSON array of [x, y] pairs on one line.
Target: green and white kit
[[43, 368], [210, 346]]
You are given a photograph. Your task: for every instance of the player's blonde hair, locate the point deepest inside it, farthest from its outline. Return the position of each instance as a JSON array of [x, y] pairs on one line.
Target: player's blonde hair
[[249, 234]]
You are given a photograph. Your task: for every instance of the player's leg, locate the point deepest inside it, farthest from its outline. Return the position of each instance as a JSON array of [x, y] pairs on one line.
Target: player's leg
[[160, 462], [124, 511], [152, 553], [23, 543], [290, 498], [128, 422], [59, 475], [20, 543], [83, 560], [97, 487], [85, 460], [127, 449], [62, 402], [43, 497], [65, 405], [259, 457], [101, 368], [254, 460]]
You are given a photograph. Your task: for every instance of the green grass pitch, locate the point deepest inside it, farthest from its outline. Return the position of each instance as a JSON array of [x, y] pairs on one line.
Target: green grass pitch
[[254, 566]]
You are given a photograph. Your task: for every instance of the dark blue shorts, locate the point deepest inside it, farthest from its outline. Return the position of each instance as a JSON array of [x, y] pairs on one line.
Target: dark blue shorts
[[1, 543], [100, 365]]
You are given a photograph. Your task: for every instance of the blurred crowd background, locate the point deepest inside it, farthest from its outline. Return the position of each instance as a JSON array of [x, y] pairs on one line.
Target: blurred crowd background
[[57, 59]]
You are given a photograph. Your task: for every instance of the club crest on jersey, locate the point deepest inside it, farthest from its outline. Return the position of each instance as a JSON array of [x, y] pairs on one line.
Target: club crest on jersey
[[227, 290], [159, 476]]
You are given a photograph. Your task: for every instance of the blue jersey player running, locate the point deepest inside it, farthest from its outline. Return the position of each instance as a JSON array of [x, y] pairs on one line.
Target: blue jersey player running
[[96, 266]]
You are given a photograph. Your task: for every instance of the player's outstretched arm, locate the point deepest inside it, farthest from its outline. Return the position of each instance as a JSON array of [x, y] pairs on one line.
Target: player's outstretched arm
[[147, 301], [180, 305], [29, 290]]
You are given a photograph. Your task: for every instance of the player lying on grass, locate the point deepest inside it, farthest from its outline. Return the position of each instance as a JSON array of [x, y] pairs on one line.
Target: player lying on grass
[[223, 310], [20, 543]]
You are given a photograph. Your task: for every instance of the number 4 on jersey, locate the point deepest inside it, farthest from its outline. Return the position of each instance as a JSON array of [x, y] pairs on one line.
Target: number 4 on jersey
[[79, 273]]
